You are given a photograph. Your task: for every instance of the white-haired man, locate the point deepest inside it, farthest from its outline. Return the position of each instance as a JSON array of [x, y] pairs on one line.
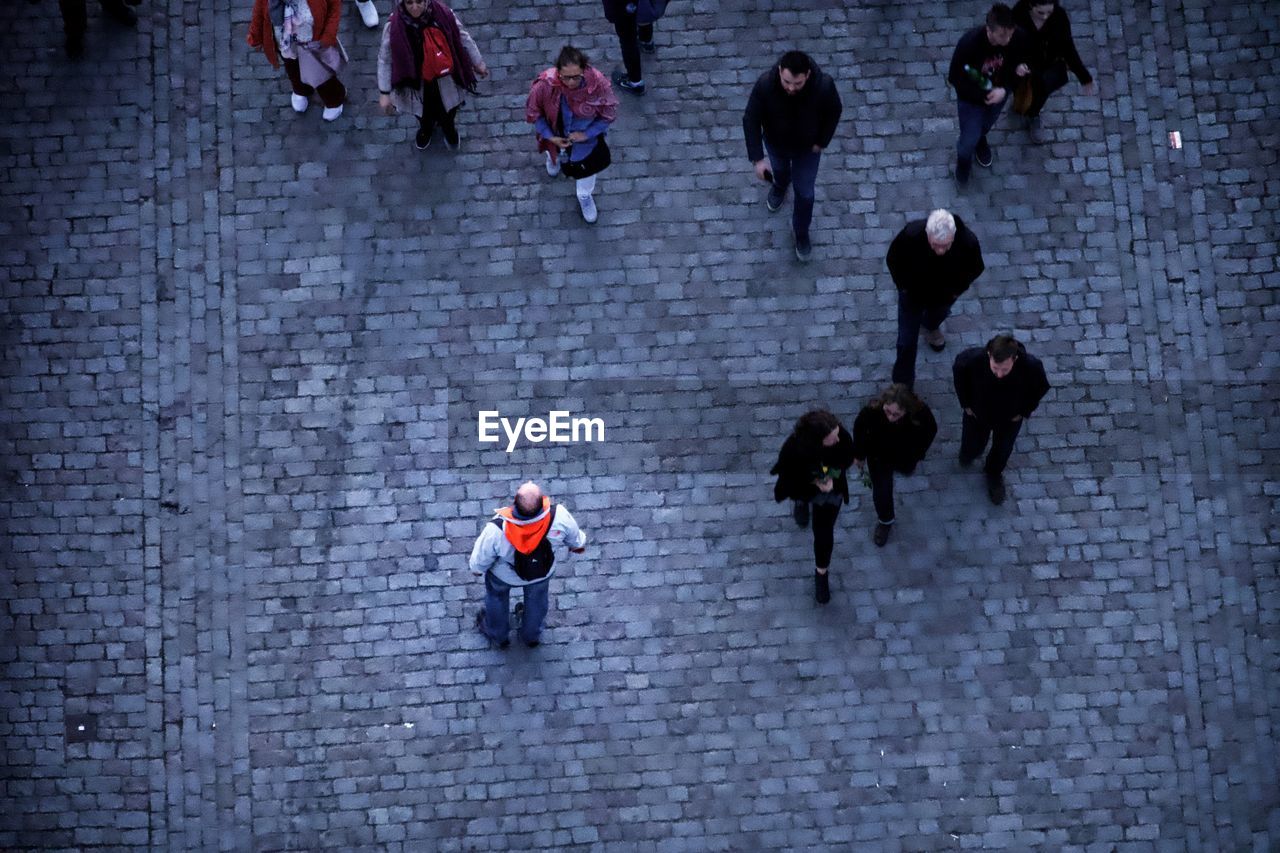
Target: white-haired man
[[932, 262], [517, 548]]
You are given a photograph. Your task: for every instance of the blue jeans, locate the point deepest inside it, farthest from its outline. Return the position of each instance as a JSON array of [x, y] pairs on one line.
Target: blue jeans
[[802, 171], [497, 603], [910, 318], [975, 121]]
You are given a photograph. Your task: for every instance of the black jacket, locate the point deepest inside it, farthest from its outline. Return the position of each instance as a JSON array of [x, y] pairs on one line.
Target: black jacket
[[902, 445], [793, 124], [798, 466], [993, 400], [1052, 44], [995, 63], [646, 11], [930, 279]]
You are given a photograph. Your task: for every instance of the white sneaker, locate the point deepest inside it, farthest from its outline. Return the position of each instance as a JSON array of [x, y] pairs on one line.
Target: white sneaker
[[553, 168], [331, 113], [300, 103], [588, 205], [368, 13]]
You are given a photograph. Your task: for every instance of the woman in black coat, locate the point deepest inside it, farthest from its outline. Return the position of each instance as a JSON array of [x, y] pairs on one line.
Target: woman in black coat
[[1052, 52], [891, 434], [811, 471]]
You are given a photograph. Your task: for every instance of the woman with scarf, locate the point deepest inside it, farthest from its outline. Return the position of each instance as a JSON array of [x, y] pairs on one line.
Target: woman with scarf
[[400, 80], [891, 434], [811, 471], [304, 34], [571, 106]]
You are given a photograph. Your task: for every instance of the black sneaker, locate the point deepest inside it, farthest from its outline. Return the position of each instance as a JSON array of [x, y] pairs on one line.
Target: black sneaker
[[882, 534], [804, 249], [422, 141], [774, 199], [623, 82], [821, 587], [801, 514], [962, 173], [451, 139], [983, 153], [74, 47], [648, 46], [995, 488]]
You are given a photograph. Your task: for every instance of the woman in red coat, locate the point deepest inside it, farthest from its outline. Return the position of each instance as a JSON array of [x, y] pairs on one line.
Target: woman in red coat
[[304, 35]]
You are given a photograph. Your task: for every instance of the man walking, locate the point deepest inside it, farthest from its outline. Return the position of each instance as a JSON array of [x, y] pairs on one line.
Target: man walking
[[984, 67], [517, 548], [793, 110], [633, 21], [932, 261], [998, 388]]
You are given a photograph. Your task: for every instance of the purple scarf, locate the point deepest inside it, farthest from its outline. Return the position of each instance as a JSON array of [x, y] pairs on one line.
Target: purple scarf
[[404, 71]]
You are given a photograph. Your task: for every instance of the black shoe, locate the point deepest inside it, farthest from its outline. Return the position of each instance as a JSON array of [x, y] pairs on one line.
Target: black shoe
[[120, 13], [623, 82], [801, 514], [966, 461], [480, 627], [962, 173], [982, 153], [995, 488], [882, 534], [821, 587], [648, 46], [804, 249], [451, 139], [773, 200], [74, 47], [422, 141]]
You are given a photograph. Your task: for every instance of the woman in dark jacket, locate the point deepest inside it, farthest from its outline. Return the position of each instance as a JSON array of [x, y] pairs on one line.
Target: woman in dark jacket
[[811, 471], [892, 433], [1052, 52]]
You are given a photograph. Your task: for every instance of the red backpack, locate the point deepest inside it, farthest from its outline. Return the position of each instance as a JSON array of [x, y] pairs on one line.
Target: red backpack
[[437, 58]]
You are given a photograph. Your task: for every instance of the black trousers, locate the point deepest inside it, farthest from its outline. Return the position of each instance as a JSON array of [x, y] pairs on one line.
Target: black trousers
[[433, 111], [823, 520], [1043, 84], [332, 93], [75, 18], [630, 34], [973, 437], [881, 474]]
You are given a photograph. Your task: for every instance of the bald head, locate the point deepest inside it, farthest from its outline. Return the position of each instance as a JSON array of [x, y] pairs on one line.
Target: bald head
[[529, 498]]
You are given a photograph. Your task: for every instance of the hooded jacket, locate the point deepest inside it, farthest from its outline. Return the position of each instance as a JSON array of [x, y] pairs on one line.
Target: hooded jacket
[[792, 124], [927, 278], [494, 551], [799, 465], [994, 400]]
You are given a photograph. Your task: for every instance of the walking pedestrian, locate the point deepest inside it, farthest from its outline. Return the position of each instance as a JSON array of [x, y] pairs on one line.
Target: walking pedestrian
[[517, 548], [792, 114], [633, 21], [811, 471], [303, 34], [932, 261], [998, 386], [985, 65], [571, 106], [1051, 51], [368, 13], [891, 434], [75, 21], [415, 25]]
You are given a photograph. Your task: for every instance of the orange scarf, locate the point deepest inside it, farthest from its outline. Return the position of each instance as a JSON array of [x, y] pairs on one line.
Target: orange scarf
[[524, 536]]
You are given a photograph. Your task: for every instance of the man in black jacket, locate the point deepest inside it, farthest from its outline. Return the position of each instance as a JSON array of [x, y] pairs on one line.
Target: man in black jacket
[[984, 67], [792, 114], [932, 262], [998, 387]]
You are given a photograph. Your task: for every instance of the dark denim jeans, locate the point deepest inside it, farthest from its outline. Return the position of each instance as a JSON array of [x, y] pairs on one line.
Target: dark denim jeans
[[802, 172], [911, 317], [497, 605], [973, 437], [630, 34], [975, 121]]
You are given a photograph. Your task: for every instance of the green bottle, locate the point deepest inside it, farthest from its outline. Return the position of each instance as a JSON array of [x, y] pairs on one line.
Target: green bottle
[[978, 77]]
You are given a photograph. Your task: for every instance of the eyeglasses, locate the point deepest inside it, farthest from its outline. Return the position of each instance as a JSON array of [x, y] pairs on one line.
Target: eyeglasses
[[569, 78]]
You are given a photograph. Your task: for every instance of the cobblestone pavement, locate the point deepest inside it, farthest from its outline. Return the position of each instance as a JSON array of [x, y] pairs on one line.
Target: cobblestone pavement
[[243, 356]]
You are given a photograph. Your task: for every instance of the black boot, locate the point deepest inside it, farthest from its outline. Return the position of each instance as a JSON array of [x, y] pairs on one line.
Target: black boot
[[821, 587], [120, 13]]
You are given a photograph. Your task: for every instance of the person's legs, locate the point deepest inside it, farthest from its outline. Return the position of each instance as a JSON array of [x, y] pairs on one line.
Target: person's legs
[[295, 78], [970, 117], [904, 367], [881, 474], [805, 177], [332, 93], [973, 437], [119, 12], [536, 604], [780, 166], [497, 599], [645, 34], [982, 151], [629, 41], [1043, 84], [931, 319], [1002, 438], [74, 22], [824, 525], [584, 188]]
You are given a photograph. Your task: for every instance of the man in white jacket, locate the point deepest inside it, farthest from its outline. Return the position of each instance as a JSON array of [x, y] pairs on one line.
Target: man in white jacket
[[517, 548]]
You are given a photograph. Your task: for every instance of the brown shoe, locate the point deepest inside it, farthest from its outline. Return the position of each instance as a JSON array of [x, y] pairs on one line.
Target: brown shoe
[[935, 339]]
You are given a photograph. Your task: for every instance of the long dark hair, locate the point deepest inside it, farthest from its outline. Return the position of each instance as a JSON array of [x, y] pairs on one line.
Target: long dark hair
[[814, 426]]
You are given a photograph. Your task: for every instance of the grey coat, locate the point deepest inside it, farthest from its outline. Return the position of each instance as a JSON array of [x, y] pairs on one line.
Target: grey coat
[[409, 100]]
